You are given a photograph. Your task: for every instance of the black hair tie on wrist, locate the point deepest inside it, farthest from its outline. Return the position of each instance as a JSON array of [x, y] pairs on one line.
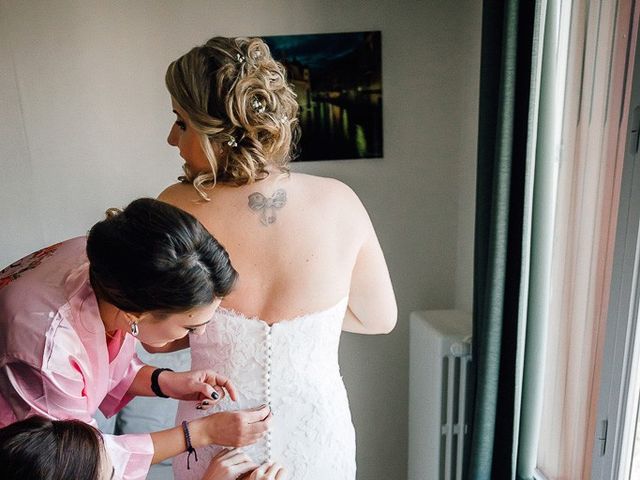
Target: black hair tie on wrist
[[155, 387], [187, 440]]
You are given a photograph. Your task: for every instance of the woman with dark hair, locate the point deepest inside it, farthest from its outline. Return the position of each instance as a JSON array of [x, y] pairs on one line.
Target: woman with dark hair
[[71, 315], [309, 259], [38, 448]]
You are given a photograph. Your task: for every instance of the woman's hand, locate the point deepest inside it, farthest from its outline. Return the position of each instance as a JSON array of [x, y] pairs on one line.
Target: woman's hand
[[201, 385], [231, 429], [268, 471], [229, 465]]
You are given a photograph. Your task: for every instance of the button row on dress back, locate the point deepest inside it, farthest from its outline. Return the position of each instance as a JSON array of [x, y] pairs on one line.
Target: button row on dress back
[[267, 382]]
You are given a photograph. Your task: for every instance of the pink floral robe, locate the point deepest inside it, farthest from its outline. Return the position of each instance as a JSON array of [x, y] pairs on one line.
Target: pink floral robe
[[54, 357]]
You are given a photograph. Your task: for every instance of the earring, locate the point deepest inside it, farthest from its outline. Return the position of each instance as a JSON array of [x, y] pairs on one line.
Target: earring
[[134, 329]]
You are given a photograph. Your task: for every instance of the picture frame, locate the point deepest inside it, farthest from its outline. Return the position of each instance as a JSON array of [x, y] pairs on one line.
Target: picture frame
[[337, 78]]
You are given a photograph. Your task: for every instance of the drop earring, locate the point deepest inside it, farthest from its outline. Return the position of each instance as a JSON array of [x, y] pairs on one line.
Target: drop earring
[[134, 329]]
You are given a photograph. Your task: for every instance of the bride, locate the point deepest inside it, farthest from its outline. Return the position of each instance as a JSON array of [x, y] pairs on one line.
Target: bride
[[309, 262]]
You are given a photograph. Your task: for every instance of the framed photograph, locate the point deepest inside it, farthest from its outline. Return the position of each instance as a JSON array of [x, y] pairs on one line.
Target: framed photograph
[[338, 80]]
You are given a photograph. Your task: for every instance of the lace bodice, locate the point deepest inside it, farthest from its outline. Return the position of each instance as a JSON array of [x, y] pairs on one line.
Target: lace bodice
[[293, 367]]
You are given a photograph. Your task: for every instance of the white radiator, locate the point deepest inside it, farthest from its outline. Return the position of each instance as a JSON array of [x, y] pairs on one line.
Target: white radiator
[[440, 351]]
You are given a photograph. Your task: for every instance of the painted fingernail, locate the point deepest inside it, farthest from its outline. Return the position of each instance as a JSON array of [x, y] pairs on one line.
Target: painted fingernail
[[215, 395], [205, 402], [198, 407]]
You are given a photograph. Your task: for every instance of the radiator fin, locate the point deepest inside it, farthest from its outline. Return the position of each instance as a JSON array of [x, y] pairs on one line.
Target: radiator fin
[[440, 352]]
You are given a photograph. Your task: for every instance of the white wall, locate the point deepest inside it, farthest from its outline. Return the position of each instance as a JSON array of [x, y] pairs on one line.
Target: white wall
[[84, 117], [468, 72]]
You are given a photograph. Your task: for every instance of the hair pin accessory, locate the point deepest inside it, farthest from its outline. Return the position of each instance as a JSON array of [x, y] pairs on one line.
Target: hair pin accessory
[[112, 212], [239, 58], [232, 142], [257, 105]]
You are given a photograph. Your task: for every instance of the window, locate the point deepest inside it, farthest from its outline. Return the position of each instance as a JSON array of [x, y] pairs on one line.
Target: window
[[589, 179], [616, 452]]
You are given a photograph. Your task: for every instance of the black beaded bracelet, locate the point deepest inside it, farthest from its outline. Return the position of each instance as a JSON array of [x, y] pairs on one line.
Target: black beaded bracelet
[[155, 387], [187, 440]]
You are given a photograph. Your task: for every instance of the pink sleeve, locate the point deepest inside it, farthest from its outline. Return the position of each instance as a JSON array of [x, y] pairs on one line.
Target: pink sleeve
[[26, 391], [118, 397], [30, 391], [130, 454]]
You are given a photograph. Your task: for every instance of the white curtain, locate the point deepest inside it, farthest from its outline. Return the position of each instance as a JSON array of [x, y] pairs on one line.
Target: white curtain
[[598, 83]]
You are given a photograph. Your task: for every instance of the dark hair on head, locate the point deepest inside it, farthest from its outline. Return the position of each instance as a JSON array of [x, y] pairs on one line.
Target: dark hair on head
[[154, 257], [41, 449]]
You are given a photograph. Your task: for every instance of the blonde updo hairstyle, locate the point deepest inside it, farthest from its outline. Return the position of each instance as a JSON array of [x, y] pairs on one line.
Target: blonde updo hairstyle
[[237, 98]]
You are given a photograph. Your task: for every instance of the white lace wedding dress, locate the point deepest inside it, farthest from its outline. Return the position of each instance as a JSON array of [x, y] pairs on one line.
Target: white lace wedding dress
[[293, 367]]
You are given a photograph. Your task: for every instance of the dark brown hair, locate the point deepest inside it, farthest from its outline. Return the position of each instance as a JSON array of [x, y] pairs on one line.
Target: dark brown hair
[[154, 257], [41, 449]]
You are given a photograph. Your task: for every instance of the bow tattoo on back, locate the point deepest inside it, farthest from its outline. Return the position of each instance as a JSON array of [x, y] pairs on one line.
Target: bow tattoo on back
[[266, 207]]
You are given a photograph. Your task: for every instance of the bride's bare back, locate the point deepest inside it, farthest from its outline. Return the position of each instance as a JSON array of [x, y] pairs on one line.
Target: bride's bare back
[[300, 243]]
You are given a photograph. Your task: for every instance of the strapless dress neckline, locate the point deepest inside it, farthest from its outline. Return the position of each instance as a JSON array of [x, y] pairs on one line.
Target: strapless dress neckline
[[253, 318]]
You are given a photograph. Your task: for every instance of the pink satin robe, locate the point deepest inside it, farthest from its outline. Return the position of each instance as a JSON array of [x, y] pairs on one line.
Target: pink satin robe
[[54, 358]]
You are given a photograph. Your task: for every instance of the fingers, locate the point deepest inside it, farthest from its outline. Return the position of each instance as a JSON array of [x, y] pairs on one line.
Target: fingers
[[268, 471], [260, 424], [229, 463], [234, 456], [228, 453], [258, 414], [257, 424], [210, 396], [278, 472], [220, 391], [275, 472], [258, 473], [238, 428], [222, 453], [213, 379]]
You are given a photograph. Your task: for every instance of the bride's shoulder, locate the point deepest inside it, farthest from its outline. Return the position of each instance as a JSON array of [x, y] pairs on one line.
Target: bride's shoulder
[[326, 187], [177, 190], [330, 195], [181, 195]]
